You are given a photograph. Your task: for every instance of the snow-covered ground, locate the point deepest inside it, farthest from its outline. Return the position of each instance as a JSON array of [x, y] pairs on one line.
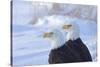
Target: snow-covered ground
[[29, 48]]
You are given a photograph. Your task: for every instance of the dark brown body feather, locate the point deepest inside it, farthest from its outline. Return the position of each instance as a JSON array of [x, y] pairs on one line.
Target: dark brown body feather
[[71, 51]]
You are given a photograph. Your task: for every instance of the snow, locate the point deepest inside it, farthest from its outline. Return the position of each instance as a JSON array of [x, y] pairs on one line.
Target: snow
[[29, 48], [29, 11]]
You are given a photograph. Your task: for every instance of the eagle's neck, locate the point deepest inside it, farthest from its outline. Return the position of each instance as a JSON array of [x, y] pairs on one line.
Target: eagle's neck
[[73, 33], [58, 41]]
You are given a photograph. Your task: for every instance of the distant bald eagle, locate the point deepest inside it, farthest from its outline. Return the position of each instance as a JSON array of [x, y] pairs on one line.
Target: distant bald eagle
[[67, 49]]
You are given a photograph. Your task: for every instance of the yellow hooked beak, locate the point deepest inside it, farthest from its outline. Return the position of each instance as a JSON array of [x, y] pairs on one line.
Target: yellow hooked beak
[[48, 34], [65, 26]]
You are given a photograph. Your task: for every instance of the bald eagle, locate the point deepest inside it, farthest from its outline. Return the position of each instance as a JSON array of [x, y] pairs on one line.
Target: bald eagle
[[66, 49], [74, 40]]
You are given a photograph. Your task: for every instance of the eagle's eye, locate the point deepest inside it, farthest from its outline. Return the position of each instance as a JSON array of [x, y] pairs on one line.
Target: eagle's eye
[[66, 26]]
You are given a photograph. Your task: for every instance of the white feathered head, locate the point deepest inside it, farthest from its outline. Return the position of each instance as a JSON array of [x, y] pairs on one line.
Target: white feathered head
[[72, 30], [56, 36]]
